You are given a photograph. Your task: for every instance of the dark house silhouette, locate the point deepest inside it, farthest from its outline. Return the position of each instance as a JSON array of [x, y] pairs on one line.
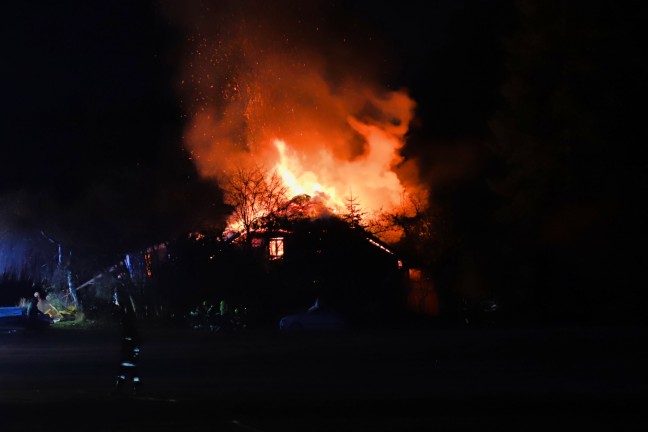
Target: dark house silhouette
[[346, 268]]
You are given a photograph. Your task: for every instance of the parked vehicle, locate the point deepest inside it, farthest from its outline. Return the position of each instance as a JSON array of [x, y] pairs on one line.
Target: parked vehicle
[[313, 319], [17, 317]]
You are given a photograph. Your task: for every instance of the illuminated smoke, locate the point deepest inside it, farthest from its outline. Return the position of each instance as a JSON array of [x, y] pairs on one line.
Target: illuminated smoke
[[255, 96]]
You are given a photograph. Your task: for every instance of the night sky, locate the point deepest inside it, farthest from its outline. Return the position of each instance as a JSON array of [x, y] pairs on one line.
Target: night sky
[[528, 128], [92, 149]]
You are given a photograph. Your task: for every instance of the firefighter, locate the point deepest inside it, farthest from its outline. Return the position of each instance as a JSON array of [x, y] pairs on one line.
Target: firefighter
[[128, 378], [37, 320]]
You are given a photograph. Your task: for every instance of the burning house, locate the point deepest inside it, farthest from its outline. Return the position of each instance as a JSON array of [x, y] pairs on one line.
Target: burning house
[[253, 95], [320, 127], [304, 251]]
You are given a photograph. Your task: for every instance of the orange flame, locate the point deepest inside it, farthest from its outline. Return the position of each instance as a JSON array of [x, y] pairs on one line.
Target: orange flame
[[370, 176], [258, 102]]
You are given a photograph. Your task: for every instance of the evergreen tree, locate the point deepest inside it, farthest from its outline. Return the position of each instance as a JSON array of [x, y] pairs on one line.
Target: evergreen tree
[[355, 214]]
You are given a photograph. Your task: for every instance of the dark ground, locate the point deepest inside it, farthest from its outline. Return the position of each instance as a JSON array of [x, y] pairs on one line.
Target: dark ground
[[399, 380]]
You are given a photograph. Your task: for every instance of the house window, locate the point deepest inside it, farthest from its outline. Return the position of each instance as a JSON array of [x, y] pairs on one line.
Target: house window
[[276, 247]]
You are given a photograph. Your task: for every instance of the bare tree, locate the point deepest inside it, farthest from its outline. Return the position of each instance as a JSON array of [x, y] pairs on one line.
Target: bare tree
[[255, 194], [420, 230]]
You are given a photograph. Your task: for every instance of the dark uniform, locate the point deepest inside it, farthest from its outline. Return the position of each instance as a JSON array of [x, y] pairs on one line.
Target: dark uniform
[[128, 373], [36, 320]]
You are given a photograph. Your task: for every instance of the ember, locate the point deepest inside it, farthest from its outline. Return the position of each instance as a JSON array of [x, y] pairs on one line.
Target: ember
[[258, 100]]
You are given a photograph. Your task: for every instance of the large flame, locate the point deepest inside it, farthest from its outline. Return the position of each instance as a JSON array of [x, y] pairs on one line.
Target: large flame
[[370, 175], [254, 99]]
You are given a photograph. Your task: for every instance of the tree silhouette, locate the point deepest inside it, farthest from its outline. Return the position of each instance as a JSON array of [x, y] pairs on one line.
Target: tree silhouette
[[568, 138], [354, 215], [255, 195]]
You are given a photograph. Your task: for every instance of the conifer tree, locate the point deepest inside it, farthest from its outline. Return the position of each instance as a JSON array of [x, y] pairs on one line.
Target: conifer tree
[[355, 214]]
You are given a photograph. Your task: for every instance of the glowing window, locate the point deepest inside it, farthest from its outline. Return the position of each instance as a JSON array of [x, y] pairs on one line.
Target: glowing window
[[276, 247]]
